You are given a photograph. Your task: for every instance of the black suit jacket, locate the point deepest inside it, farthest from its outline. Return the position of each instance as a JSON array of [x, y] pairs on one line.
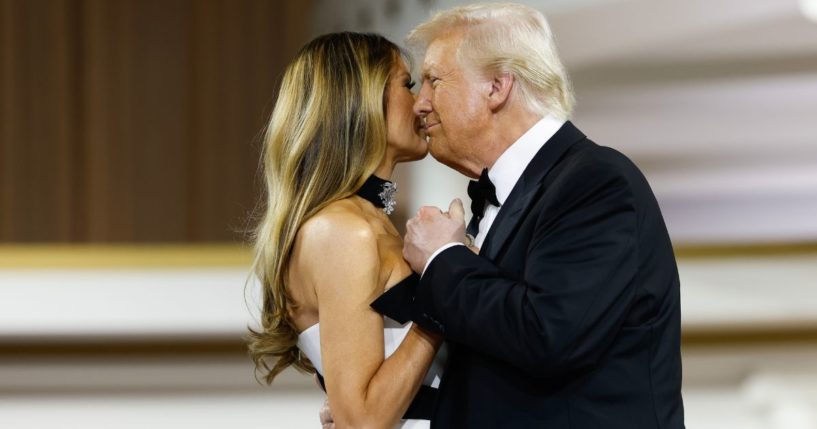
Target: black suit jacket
[[570, 315]]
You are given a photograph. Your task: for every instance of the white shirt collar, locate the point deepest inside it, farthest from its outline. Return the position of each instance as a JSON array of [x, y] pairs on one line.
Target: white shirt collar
[[512, 163]]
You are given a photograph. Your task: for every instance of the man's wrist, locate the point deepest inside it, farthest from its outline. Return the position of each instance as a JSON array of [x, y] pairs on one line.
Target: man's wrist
[[438, 251]]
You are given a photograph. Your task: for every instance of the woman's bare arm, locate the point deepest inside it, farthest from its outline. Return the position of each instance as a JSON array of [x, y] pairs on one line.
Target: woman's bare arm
[[344, 266]]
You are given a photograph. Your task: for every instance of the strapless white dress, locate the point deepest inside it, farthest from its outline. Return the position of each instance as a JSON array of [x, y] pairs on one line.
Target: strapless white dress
[[309, 341]]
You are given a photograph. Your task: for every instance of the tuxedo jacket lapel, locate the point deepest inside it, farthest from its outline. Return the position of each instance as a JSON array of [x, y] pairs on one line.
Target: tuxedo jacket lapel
[[527, 188]]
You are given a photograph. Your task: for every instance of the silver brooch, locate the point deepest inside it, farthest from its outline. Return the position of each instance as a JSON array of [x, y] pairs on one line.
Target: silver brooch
[[387, 197]]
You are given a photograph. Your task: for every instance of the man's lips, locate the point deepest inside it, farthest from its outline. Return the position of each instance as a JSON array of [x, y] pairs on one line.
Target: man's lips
[[431, 125]]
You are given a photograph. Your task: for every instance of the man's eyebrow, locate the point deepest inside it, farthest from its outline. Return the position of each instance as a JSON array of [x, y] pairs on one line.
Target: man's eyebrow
[[427, 71]]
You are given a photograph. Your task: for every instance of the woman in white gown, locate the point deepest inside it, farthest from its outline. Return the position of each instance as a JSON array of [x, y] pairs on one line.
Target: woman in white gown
[[326, 249]]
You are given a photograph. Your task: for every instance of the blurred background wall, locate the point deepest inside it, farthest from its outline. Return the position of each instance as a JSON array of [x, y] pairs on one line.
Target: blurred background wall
[[136, 121], [129, 136]]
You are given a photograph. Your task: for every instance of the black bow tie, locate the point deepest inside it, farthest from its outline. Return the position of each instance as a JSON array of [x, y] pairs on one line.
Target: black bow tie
[[480, 192]]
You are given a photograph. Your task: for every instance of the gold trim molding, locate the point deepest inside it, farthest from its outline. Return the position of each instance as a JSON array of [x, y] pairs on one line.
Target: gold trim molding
[[57, 256], [691, 339], [756, 334], [712, 251], [179, 255]]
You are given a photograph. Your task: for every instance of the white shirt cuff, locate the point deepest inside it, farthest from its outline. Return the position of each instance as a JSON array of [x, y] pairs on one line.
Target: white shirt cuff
[[438, 251]]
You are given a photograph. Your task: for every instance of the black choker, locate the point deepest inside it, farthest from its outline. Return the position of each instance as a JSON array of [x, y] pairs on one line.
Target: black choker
[[379, 192]]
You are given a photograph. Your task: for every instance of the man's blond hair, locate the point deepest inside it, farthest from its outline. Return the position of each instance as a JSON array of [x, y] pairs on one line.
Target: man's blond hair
[[506, 38]]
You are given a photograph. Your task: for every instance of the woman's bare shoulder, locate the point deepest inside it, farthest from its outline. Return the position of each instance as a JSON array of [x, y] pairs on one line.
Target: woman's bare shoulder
[[339, 233], [338, 253], [340, 219]]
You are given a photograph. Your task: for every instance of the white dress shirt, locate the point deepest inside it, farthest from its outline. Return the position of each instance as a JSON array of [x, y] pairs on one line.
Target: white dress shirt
[[507, 170]]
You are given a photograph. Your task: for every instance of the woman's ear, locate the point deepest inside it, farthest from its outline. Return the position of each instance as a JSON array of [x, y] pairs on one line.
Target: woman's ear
[[501, 86]]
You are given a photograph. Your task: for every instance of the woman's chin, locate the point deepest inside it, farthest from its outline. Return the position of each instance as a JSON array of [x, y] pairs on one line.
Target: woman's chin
[[421, 153], [415, 157], [420, 149]]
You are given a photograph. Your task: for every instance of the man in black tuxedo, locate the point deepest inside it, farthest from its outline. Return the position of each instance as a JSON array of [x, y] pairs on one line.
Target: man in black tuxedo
[[569, 314]]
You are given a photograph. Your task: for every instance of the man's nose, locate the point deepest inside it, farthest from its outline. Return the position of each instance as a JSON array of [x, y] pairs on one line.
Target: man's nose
[[422, 104]]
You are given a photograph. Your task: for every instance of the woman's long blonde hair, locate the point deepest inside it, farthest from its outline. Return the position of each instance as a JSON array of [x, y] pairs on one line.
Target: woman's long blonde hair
[[326, 135]]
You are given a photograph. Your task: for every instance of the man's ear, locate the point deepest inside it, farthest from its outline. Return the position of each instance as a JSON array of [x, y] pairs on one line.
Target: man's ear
[[500, 92]]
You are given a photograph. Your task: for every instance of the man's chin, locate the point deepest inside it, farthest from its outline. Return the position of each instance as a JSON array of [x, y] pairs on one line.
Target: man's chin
[[441, 156]]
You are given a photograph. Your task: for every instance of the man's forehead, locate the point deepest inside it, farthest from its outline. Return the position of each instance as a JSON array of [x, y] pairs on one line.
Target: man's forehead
[[439, 50]]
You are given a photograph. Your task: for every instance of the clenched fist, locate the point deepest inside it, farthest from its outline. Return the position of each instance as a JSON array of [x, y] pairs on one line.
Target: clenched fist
[[431, 229]]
